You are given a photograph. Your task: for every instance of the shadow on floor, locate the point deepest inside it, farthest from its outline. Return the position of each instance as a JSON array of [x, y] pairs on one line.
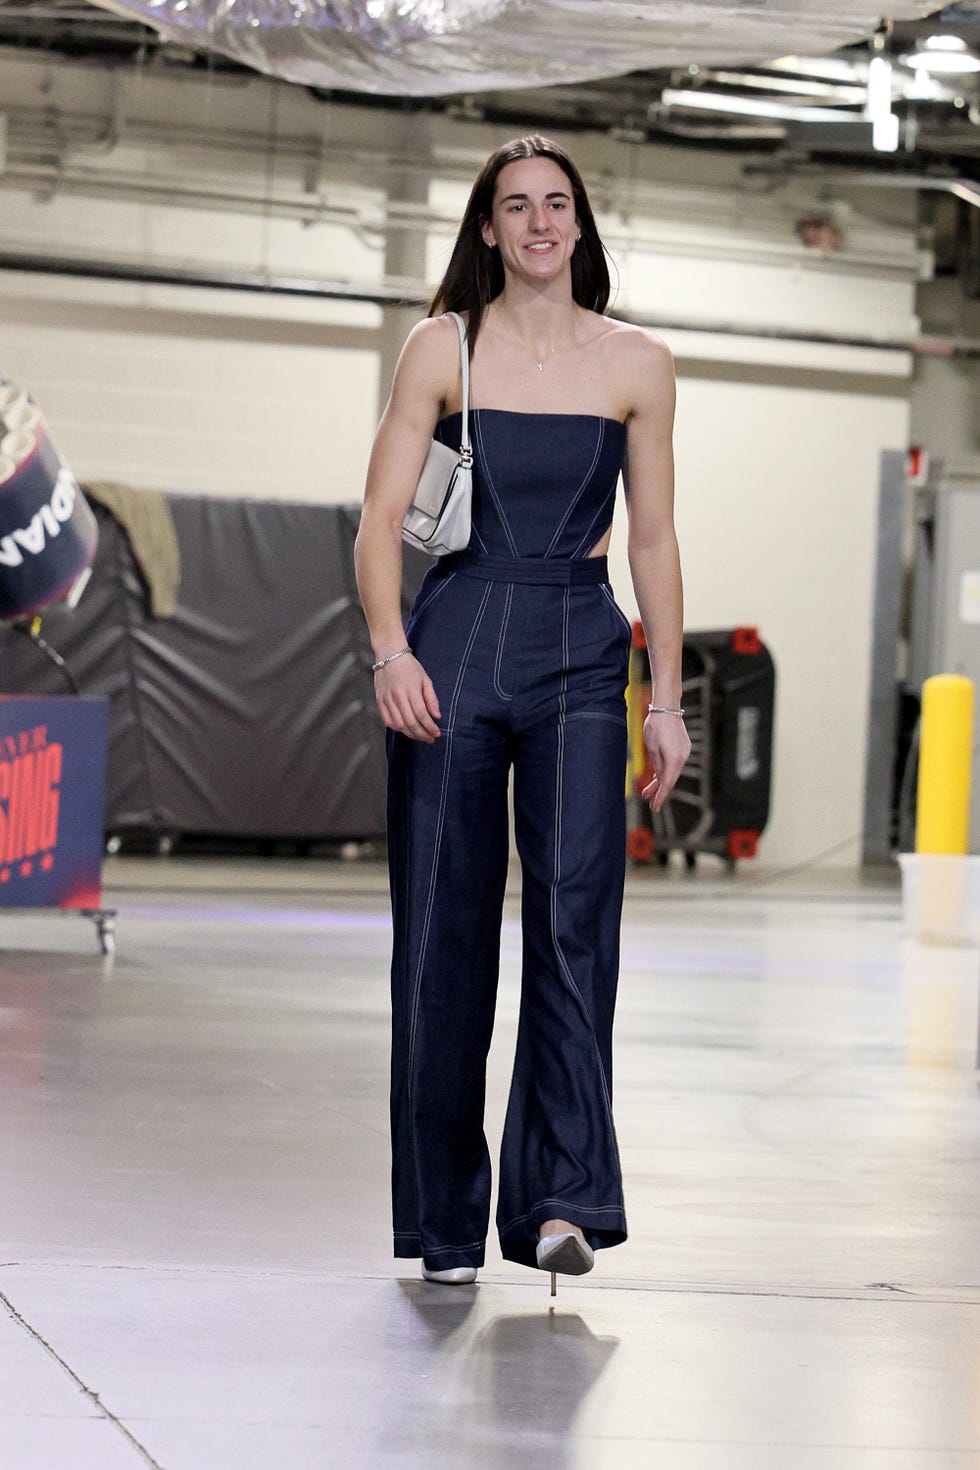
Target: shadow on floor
[[497, 1384]]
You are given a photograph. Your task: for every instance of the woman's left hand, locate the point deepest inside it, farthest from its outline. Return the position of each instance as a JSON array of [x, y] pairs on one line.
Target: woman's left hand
[[669, 744]]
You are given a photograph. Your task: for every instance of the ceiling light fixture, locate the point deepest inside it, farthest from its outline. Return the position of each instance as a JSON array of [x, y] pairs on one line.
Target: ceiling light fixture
[[946, 54], [752, 107], [878, 109]]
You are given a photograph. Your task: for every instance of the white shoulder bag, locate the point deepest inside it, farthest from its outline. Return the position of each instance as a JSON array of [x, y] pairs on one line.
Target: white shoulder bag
[[438, 519]]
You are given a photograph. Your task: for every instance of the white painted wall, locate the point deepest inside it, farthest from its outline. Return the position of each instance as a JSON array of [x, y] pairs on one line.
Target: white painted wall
[[139, 387], [239, 394], [775, 514]]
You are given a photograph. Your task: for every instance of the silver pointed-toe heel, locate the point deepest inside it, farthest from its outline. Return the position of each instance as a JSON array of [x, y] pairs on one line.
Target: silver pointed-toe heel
[[454, 1276], [567, 1253]]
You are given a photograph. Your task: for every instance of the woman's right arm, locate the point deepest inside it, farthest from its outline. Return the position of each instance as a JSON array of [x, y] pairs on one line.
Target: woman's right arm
[[405, 693]]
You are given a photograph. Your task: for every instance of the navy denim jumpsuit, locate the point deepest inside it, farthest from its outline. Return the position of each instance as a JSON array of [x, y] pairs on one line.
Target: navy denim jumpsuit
[[528, 654]]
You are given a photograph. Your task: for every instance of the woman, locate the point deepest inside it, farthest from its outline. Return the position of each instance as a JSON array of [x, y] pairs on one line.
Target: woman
[[515, 654]]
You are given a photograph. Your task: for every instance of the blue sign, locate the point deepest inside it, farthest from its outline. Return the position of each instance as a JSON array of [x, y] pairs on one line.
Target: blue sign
[[52, 801]]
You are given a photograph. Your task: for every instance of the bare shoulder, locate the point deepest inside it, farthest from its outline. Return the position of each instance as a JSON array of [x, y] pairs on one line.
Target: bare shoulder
[[432, 343], [637, 348], [427, 367], [640, 363]]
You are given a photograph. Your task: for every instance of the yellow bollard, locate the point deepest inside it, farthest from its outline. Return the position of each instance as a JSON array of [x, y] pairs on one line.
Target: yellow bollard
[[942, 815], [635, 715]]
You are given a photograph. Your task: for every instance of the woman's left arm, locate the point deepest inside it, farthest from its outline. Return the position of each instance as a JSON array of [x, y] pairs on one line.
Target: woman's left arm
[[648, 474]]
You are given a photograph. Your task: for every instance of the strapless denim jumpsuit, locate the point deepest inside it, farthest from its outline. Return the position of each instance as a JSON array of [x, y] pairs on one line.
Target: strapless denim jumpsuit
[[528, 653]]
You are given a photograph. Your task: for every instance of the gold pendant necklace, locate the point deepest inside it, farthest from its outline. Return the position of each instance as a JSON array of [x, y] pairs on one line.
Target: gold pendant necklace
[[538, 363]]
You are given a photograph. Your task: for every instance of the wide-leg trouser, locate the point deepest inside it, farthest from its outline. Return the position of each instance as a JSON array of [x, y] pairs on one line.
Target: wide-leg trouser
[[530, 675]]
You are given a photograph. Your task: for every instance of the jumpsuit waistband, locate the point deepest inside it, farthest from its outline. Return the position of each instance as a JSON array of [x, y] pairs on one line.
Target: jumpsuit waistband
[[533, 570]]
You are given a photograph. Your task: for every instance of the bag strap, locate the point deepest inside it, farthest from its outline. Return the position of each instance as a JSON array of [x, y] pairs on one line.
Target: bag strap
[[464, 365]]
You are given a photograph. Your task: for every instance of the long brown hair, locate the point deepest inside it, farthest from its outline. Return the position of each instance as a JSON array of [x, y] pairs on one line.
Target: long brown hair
[[475, 274]]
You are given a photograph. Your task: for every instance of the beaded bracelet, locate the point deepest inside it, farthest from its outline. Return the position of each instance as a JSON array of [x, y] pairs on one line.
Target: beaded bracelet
[[659, 709], [390, 659]]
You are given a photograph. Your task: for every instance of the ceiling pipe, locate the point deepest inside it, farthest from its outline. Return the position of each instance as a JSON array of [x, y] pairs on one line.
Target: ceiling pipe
[[964, 189], [254, 281], [408, 295], [370, 224]]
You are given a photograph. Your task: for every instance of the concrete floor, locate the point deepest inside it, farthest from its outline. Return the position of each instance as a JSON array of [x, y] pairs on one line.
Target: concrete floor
[[196, 1268]]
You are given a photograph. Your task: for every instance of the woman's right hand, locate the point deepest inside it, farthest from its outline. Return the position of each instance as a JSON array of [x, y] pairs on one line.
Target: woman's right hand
[[407, 699]]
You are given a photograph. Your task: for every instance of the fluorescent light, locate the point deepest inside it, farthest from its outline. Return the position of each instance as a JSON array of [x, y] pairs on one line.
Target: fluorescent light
[[946, 54], [884, 123], [946, 62], [751, 107], [879, 103], [944, 43], [884, 134]]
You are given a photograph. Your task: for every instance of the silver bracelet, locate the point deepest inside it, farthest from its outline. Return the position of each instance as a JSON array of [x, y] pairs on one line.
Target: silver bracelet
[[659, 709], [390, 659]]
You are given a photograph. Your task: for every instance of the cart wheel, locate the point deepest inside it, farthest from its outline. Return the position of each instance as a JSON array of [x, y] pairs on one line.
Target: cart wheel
[[165, 844], [691, 859], [105, 927], [113, 844]]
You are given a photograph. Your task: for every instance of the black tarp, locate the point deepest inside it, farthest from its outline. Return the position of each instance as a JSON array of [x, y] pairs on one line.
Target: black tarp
[[250, 711]]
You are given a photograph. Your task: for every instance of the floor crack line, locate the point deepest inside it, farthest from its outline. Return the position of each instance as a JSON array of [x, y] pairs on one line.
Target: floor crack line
[[88, 1392]]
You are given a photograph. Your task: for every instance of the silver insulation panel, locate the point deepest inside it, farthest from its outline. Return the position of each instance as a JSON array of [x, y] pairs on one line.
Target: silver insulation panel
[[442, 47]]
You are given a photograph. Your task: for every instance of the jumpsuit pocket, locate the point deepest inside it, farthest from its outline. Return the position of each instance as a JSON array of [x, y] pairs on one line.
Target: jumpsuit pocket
[[624, 624], [498, 662], [425, 599]]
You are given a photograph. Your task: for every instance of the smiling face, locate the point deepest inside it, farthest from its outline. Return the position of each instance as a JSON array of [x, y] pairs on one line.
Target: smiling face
[[533, 221]]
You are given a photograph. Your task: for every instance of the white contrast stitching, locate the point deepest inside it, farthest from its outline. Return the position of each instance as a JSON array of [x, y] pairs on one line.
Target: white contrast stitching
[[566, 1204], [580, 491], [562, 962], [438, 840], [607, 593], [432, 1250], [588, 538], [500, 642], [597, 714], [430, 598], [485, 466]]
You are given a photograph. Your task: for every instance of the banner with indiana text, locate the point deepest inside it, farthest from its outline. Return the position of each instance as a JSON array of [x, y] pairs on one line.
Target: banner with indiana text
[[52, 801]]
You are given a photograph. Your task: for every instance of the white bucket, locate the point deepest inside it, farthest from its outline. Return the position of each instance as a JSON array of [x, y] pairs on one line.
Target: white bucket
[[941, 897]]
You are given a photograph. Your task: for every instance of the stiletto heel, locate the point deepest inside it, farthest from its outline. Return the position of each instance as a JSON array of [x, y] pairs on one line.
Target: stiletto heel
[[567, 1253]]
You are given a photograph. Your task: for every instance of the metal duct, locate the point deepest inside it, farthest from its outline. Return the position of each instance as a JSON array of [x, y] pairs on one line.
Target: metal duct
[[419, 48]]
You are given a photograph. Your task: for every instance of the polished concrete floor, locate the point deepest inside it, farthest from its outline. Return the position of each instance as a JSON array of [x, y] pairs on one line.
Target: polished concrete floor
[[195, 1264]]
